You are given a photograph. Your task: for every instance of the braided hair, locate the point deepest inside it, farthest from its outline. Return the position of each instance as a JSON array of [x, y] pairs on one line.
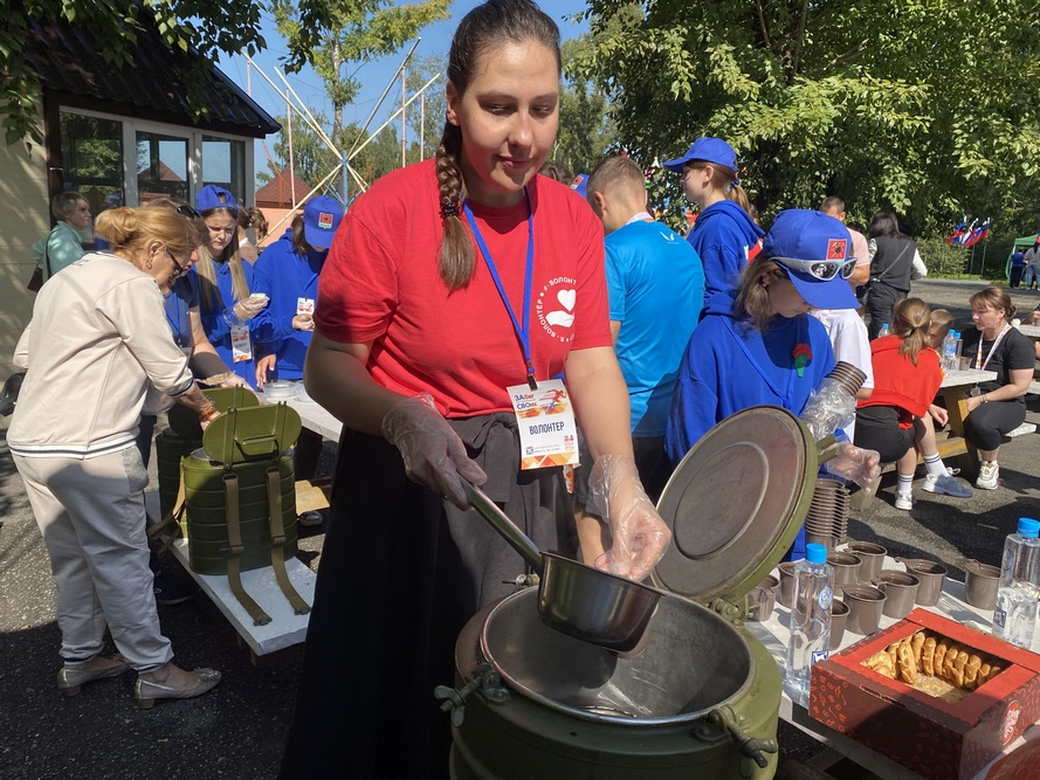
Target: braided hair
[[493, 21]]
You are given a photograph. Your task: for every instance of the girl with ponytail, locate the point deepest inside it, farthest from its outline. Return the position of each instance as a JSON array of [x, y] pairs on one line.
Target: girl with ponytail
[[449, 282], [898, 420], [725, 235]]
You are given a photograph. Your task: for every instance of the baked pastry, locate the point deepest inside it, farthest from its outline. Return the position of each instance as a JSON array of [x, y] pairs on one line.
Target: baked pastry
[[994, 670], [893, 653], [907, 667], [940, 655], [927, 654], [951, 657], [881, 662], [917, 645], [958, 669], [971, 672]]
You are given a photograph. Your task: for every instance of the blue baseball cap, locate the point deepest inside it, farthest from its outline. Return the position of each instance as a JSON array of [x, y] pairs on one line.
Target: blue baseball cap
[[321, 217], [807, 235], [580, 184], [708, 149], [213, 197]]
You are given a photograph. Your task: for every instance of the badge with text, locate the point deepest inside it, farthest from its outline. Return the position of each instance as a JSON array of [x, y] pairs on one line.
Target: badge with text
[[241, 348], [305, 306], [545, 418]]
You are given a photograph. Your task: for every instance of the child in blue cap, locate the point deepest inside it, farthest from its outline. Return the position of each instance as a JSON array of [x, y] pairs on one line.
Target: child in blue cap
[[228, 303], [758, 344], [724, 235]]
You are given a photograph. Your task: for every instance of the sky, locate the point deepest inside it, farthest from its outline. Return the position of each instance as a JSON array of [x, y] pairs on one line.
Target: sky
[[436, 40]]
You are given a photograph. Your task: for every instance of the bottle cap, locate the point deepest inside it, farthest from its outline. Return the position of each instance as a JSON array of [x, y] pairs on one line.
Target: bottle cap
[[1028, 527], [815, 553]]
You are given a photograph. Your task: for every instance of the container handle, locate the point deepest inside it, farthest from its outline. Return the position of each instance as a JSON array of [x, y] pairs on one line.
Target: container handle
[[752, 747]]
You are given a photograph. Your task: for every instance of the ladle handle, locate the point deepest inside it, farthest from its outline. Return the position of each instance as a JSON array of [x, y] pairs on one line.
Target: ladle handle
[[507, 528]]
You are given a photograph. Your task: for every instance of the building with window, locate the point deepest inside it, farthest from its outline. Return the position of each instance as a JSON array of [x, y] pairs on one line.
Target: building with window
[[121, 135]]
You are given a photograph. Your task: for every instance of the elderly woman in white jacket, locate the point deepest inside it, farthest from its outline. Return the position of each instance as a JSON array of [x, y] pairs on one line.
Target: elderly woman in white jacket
[[97, 342]]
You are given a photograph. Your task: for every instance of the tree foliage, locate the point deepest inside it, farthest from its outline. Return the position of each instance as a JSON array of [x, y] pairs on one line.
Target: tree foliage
[[587, 130], [929, 107]]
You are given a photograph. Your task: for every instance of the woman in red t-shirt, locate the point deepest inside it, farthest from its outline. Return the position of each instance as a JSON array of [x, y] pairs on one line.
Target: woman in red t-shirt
[[897, 419], [449, 281]]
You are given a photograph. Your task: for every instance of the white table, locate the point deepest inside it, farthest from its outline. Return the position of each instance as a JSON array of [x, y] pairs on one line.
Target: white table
[[313, 416], [966, 377], [1033, 331], [775, 634]]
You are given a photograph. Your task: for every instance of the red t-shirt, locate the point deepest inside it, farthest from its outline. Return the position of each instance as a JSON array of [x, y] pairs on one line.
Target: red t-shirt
[[898, 382], [381, 285]]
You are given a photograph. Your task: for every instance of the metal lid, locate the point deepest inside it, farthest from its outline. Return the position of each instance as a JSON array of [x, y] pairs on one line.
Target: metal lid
[[185, 421], [253, 433], [735, 504]]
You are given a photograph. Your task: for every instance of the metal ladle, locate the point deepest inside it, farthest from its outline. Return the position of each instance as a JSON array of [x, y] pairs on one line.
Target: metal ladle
[[578, 600]]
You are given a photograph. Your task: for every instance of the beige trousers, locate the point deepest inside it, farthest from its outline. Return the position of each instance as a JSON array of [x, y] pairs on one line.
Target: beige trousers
[[92, 517]]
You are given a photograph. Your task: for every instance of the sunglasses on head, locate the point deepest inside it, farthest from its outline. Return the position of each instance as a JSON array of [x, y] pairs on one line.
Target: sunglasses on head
[[189, 212], [824, 270], [181, 270]]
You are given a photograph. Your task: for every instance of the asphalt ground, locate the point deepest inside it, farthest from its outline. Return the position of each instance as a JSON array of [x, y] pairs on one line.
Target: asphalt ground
[[237, 730]]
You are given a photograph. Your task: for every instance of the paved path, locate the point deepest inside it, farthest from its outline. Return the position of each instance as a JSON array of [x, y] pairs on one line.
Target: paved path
[[237, 730]]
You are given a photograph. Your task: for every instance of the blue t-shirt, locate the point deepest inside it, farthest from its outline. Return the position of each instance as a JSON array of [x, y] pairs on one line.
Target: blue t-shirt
[[656, 287], [183, 296], [285, 277], [1018, 259], [216, 325]]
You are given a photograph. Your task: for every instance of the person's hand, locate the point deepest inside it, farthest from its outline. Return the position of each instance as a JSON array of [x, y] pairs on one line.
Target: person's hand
[[264, 366], [233, 380], [939, 414], [973, 402], [432, 452], [303, 322], [855, 464], [639, 536], [250, 307], [207, 415]]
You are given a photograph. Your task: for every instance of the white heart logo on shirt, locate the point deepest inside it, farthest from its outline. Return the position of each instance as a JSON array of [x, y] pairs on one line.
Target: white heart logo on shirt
[[567, 298]]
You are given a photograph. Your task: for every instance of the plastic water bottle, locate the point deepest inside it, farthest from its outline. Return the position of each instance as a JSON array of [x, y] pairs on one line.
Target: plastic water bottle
[[949, 346], [958, 349], [1014, 619], [884, 330], [810, 621]]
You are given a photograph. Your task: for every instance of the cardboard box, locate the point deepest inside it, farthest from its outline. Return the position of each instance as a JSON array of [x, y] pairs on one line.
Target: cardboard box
[[931, 736]]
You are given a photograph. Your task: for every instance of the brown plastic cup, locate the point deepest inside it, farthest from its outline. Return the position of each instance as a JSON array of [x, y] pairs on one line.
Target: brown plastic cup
[[786, 593], [873, 556], [901, 591], [826, 539], [981, 584], [846, 568], [839, 614], [865, 603], [932, 575]]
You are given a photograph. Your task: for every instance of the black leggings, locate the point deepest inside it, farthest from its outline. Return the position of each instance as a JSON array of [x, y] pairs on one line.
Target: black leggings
[[985, 427], [881, 299]]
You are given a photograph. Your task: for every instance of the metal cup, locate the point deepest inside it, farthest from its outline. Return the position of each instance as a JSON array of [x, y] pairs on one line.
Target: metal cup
[[932, 574], [846, 568], [873, 556], [901, 591], [981, 584], [762, 599], [839, 614], [865, 603], [786, 594]]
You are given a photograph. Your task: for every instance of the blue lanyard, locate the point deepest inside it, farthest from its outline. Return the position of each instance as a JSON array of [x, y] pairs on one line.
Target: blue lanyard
[[523, 333]]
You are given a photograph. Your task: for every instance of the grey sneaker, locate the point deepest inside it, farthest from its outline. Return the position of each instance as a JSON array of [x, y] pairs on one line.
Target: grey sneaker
[[945, 484], [988, 474]]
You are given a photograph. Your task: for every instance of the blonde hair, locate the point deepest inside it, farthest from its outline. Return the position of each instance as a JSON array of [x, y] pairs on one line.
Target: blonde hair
[[910, 322], [938, 325], [725, 180], [207, 272], [130, 229], [752, 301]]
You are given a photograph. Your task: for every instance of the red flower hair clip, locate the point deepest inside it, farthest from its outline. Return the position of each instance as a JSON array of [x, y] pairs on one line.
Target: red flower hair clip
[[802, 357]]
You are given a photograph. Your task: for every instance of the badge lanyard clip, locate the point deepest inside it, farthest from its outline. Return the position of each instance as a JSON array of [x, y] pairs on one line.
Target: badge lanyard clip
[[523, 332]]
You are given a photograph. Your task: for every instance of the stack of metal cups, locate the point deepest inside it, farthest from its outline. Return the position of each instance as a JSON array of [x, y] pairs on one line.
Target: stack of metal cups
[[827, 521]]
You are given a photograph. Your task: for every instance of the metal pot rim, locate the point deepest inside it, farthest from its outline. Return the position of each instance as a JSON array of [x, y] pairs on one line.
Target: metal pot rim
[[603, 718]]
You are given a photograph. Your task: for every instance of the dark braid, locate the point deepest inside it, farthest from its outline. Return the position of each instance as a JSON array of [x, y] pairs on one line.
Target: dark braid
[[495, 20]]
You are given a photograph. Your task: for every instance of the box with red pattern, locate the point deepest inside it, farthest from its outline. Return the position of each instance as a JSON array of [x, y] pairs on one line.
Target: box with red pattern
[[932, 736]]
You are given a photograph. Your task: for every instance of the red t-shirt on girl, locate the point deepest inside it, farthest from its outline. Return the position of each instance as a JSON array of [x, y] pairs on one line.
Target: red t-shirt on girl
[[381, 285], [898, 382]]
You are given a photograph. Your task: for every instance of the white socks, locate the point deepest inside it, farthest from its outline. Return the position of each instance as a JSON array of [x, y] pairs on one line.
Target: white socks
[[934, 464], [905, 486]]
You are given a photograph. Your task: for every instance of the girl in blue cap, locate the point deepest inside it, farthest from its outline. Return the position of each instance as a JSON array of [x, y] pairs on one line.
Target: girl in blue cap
[[758, 344], [225, 282], [724, 235]]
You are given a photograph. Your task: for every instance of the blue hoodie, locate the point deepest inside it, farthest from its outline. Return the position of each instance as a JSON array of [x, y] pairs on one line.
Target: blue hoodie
[[215, 321], [723, 235], [285, 277]]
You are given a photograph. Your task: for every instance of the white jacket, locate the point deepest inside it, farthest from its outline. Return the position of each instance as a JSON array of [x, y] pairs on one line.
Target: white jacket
[[97, 341]]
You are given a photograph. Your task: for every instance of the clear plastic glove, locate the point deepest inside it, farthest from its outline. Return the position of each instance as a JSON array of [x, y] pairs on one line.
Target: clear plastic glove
[[250, 307], [855, 464], [433, 453], [639, 536]]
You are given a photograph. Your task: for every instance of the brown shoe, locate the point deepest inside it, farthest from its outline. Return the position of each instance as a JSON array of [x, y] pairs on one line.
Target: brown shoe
[[169, 681], [72, 677]]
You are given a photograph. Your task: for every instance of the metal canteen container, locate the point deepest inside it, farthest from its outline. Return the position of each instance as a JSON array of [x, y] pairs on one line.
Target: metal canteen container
[[701, 698]]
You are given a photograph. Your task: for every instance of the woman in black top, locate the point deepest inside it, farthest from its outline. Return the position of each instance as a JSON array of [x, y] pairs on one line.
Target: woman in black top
[[894, 261], [996, 407]]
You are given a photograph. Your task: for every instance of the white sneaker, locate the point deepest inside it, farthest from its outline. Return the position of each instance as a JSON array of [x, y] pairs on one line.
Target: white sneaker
[[943, 483], [904, 502], [988, 473]]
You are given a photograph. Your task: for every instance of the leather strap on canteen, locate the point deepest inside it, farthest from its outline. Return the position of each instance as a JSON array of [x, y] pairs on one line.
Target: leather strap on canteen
[[168, 530], [235, 549], [278, 539]]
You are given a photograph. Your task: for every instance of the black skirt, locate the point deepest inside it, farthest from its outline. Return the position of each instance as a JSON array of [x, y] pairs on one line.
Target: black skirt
[[401, 572]]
